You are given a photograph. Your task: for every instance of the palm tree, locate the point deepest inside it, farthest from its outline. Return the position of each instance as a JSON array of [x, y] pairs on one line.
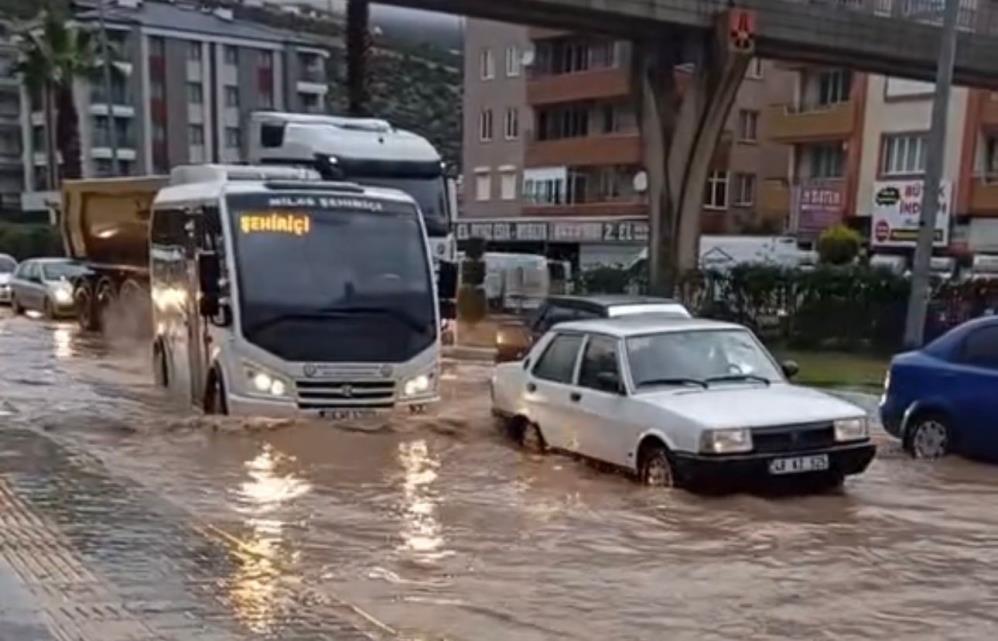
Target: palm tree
[[53, 59], [35, 70], [358, 47]]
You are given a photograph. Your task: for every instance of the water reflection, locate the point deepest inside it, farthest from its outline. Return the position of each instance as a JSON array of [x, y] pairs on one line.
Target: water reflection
[[422, 534], [263, 558], [62, 343]]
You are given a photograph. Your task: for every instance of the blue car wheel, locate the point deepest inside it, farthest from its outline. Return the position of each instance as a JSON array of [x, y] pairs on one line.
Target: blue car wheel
[[929, 437]]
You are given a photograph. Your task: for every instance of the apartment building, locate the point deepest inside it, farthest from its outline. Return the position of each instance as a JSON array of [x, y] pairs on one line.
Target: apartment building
[[859, 149], [185, 79], [553, 155], [11, 172]]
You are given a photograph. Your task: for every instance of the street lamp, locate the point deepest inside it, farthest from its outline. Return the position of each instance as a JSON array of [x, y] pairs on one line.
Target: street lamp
[[918, 301]]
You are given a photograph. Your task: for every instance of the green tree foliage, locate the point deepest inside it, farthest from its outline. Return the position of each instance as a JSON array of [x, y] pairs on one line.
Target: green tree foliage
[[839, 245], [29, 240], [52, 59]]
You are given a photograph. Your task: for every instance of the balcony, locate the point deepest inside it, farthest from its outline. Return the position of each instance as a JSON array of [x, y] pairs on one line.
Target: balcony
[[597, 209], [605, 149], [595, 84], [10, 201], [315, 74], [984, 197], [783, 124]]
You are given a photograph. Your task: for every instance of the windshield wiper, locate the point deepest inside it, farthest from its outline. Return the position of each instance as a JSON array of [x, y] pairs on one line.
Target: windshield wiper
[[411, 321], [738, 378], [675, 381]]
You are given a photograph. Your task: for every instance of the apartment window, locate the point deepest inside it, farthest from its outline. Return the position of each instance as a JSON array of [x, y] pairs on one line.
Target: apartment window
[[744, 190], [231, 55], [483, 187], [903, 154], [156, 89], [309, 102], [266, 100], [233, 137], [991, 157], [195, 135], [826, 161], [232, 96], [754, 69], [512, 62], [102, 167], [508, 185], [571, 121], [834, 86], [157, 46], [485, 125], [716, 193], [487, 64], [512, 124], [544, 192], [266, 59], [158, 132], [194, 51], [195, 93], [748, 125]]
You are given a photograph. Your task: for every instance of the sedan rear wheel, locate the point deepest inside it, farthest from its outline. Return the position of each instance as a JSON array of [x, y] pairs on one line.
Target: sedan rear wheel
[[16, 306], [656, 468], [928, 438]]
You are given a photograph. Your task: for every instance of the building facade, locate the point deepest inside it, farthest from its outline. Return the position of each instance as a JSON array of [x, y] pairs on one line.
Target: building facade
[[11, 146], [553, 158], [184, 83]]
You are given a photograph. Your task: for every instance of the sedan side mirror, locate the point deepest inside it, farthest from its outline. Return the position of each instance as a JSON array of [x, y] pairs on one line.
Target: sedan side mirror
[[609, 382], [790, 368]]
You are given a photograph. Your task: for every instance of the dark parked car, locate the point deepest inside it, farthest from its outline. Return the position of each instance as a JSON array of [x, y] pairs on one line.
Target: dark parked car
[[944, 397], [514, 340], [7, 267]]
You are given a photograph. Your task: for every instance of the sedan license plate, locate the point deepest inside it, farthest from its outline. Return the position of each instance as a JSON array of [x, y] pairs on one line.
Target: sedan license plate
[[346, 415], [799, 464]]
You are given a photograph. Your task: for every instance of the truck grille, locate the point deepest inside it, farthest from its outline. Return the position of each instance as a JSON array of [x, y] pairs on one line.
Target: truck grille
[[318, 395], [793, 438]]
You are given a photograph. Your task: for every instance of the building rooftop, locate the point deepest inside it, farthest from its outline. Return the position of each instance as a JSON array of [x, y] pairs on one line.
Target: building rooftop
[[192, 19]]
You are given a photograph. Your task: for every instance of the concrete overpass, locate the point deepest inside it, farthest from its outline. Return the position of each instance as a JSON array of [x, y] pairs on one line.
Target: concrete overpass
[[892, 37], [680, 132]]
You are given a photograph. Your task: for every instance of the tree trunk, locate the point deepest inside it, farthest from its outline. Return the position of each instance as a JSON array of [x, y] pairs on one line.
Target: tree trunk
[[69, 132], [358, 47], [52, 158]]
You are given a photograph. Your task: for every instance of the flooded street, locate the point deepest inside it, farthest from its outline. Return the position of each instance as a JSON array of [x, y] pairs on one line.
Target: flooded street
[[433, 527]]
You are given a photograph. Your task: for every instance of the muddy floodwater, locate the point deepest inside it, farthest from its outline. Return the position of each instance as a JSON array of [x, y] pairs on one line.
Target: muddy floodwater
[[437, 527]]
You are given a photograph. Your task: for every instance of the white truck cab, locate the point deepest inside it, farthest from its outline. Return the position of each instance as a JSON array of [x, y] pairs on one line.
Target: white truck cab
[[372, 152], [276, 293]]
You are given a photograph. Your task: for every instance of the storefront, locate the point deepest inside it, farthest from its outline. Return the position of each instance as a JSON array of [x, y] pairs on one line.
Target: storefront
[[587, 243]]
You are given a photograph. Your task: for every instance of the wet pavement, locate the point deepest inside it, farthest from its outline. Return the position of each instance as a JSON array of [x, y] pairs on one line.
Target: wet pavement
[[125, 516]]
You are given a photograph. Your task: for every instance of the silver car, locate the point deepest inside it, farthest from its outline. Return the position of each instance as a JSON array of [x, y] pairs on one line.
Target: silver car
[[7, 267], [45, 285]]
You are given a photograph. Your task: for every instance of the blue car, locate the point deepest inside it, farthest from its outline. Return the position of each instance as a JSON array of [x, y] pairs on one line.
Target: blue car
[[944, 397]]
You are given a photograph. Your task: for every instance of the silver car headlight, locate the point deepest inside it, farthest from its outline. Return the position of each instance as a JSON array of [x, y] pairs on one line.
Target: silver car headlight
[[852, 429], [262, 382], [731, 441], [420, 385], [63, 295]]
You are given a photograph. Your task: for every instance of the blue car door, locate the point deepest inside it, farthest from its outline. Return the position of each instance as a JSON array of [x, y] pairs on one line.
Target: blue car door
[[976, 379]]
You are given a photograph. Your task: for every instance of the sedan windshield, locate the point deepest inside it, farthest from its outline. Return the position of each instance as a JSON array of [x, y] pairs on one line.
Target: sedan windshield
[[7, 264], [699, 358], [62, 271]]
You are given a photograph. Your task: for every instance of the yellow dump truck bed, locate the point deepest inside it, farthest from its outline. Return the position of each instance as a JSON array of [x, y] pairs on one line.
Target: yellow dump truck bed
[[105, 221]]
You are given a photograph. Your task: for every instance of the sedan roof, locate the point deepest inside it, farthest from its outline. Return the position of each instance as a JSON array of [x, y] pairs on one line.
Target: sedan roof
[[613, 300], [641, 324]]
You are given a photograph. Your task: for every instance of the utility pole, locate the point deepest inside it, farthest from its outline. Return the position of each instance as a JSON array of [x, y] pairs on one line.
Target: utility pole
[[918, 303], [111, 128]]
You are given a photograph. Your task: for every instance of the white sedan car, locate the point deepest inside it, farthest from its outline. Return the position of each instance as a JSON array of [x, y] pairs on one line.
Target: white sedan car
[[677, 402]]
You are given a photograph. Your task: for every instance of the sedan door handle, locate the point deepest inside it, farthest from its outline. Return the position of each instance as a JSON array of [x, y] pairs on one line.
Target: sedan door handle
[[575, 396], [531, 387]]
